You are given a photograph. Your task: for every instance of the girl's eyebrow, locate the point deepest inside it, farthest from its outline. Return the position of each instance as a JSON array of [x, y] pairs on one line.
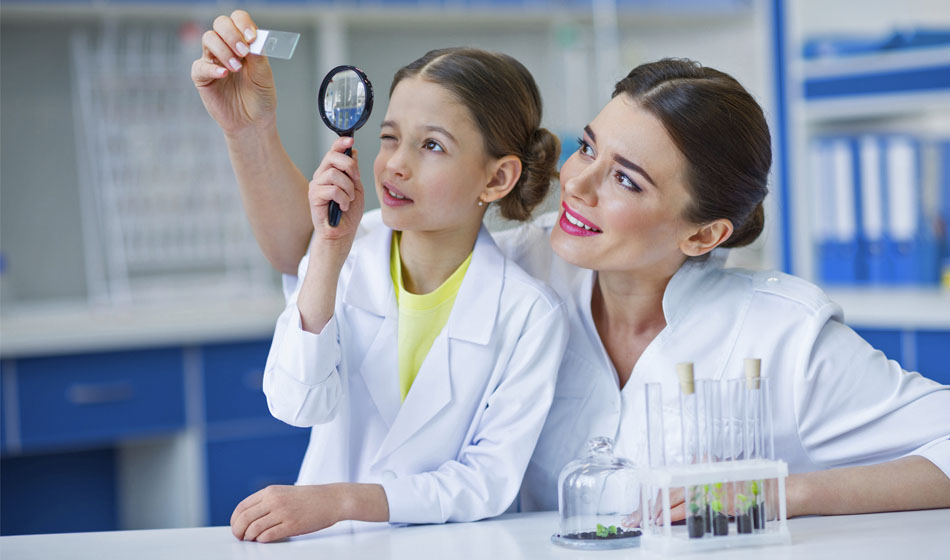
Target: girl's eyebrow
[[439, 129], [390, 124]]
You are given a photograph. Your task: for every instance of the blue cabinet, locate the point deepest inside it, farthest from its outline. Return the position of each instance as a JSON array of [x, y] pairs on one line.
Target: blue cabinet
[[233, 378], [60, 463], [933, 355], [87, 399]]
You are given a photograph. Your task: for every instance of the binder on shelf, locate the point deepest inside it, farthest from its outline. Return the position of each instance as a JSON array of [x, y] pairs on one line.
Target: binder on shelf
[[870, 188], [943, 217], [910, 247], [833, 166]]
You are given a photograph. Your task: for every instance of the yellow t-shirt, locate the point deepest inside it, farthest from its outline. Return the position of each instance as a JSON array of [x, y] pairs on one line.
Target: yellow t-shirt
[[421, 316]]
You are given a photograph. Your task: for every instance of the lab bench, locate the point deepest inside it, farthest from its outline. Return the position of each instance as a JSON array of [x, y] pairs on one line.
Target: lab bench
[[912, 534]]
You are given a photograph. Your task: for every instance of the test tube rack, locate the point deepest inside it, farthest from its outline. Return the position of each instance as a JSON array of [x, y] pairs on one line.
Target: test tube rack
[[660, 535]]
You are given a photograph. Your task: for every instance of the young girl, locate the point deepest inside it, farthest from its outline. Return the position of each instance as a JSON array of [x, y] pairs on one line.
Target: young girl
[[424, 359]]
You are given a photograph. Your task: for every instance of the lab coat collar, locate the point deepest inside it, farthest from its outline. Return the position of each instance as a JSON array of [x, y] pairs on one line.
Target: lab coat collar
[[689, 284], [480, 289]]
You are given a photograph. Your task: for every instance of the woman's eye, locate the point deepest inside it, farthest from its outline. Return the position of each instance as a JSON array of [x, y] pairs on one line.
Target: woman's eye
[[432, 145], [626, 183], [584, 148]]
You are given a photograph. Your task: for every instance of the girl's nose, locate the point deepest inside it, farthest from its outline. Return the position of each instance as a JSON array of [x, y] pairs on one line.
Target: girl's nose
[[398, 163]]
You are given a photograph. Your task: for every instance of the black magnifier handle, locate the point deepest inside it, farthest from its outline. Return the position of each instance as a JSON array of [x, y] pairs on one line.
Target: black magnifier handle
[[333, 212]]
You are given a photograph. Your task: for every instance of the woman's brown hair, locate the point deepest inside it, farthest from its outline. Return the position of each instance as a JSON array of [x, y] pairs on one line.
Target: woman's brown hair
[[505, 104], [721, 131]]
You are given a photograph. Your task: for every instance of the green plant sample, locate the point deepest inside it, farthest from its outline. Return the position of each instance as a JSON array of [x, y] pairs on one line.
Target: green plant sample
[[603, 531]]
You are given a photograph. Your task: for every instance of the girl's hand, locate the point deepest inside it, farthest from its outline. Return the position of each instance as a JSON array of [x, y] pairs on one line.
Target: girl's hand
[[236, 88], [338, 179], [278, 512]]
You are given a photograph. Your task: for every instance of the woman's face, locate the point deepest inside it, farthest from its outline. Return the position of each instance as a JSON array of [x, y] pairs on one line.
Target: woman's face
[[432, 166], [623, 194]]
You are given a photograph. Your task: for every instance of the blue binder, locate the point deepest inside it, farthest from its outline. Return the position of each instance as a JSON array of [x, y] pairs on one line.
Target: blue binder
[[910, 246], [833, 164], [943, 218], [873, 204]]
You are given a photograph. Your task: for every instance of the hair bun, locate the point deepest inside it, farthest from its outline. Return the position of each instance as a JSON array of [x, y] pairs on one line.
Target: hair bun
[[749, 231], [538, 169]]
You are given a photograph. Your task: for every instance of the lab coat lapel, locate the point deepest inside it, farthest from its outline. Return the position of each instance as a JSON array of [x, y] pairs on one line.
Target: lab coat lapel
[[471, 322], [370, 288]]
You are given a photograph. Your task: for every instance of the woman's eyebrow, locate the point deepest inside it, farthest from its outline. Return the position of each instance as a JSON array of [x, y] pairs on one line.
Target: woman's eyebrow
[[590, 132], [634, 167]]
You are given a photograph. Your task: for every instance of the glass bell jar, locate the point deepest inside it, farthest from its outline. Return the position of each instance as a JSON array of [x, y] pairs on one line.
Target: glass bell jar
[[599, 500]]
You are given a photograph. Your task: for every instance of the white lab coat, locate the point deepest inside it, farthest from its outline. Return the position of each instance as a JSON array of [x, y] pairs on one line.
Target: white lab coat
[[457, 448], [836, 401]]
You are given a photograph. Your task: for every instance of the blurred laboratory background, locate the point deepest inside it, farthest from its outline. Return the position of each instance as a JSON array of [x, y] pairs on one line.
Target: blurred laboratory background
[[136, 309]]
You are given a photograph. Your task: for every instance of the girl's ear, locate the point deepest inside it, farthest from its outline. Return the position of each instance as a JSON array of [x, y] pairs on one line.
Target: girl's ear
[[507, 171], [707, 237]]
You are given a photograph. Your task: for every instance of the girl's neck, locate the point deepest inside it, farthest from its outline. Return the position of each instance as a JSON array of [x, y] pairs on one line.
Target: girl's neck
[[430, 257]]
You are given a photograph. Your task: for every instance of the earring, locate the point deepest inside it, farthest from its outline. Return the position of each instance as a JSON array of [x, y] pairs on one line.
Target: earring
[[481, 203]]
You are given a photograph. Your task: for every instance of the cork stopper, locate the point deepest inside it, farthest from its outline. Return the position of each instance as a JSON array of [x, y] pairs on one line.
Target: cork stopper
[[684, 371], [753, 372]]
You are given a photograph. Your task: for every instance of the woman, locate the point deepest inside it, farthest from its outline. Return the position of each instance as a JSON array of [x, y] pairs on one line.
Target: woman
[[672, 168]]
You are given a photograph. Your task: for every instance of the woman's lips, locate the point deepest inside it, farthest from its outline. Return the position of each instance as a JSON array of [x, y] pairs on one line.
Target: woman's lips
[[394, 197], [575, 224]]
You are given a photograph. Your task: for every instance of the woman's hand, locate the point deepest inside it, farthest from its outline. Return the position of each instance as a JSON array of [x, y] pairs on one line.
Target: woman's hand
[[337, 179], [236, 88]]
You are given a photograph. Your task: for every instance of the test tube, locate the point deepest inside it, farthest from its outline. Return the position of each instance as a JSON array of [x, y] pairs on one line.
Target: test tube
[[692, 449], [749, 493], [712, 437], [656, 454]]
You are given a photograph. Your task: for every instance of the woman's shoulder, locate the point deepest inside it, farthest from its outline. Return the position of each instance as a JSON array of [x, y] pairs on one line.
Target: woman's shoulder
[[528, 245], [772, 287]]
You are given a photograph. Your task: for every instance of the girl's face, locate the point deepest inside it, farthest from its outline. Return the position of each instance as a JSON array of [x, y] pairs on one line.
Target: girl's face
[[432, 167], [626, 184]]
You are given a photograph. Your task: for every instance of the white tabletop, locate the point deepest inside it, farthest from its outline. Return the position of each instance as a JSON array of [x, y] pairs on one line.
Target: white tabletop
[[918, 535]]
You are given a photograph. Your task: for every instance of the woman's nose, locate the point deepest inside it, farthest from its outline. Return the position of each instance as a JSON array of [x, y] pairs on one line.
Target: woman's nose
[[580, 182]]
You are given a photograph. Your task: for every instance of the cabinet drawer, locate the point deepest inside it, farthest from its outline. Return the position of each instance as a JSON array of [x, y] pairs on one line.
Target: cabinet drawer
[[233, 377], [932, 354], [91, 398], [238, 468]]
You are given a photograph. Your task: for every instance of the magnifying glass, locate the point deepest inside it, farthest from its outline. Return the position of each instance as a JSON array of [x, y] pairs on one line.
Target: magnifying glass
[[346, 100]]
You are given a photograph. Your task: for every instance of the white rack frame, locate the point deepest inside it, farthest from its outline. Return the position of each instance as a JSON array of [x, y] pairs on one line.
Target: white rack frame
[[669, 540]]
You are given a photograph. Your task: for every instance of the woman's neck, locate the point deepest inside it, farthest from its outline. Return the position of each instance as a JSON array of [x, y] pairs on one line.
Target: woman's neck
[[633, 301], [430, 257], [627, 308]]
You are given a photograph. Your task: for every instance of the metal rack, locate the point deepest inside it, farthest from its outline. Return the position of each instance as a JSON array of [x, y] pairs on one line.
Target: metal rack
[[161, 210]]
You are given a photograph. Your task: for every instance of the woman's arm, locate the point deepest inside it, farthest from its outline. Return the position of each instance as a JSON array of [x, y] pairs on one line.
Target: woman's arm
[[854, 407], [274, 194], [237, 89], [908, 483]]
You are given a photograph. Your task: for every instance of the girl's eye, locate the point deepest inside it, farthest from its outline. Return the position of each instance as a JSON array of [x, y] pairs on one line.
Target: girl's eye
[[584, 148], [385, 137], [433, 146], [626, 182]]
